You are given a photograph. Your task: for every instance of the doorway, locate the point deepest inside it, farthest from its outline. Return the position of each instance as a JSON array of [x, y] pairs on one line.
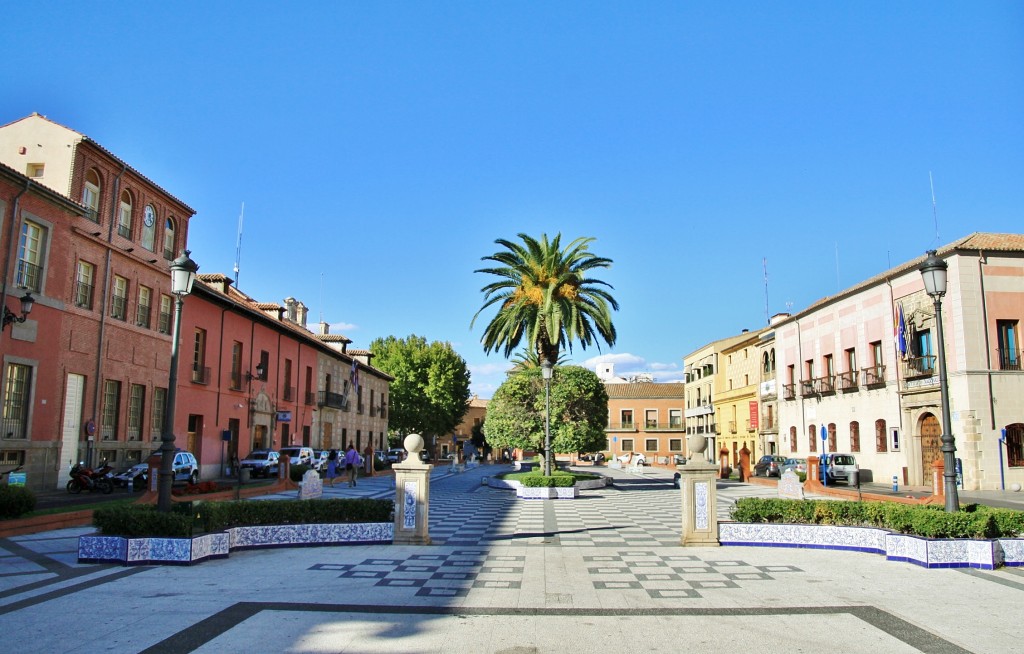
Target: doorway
[[931, 445]]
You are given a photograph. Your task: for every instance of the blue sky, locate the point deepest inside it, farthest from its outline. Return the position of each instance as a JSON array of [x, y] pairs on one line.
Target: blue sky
[[381, 147]]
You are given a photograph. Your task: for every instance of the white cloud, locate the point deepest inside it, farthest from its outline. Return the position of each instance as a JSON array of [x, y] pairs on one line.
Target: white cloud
[[487, 369], [664, 366], [626, 361], [342, 327]]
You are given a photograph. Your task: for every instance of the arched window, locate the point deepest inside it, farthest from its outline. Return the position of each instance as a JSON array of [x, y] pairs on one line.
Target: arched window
[[91, 194], [831, 437], [855, 436], [812, 439], [772, 353], [765, 363], [124, 215], [149, 227], [1015, 445], [792, 439], [881, 441], [169, 239]]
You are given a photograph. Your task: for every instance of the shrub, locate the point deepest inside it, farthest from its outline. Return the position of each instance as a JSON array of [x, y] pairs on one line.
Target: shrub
[[929, 521], [216, 516], [296, 471], [16, 501], [141, 520], [554, 481]]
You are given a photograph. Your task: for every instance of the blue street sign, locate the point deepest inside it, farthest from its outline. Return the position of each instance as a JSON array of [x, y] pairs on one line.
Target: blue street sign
[[824, 434]]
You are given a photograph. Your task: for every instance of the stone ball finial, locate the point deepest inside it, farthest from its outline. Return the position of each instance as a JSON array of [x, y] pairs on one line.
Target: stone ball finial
[[414, 445], [696, 444]]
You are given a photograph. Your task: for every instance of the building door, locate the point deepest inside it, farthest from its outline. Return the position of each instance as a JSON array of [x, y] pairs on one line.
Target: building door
[[931, 445], [72, 429], [194, 440], [259, 437]]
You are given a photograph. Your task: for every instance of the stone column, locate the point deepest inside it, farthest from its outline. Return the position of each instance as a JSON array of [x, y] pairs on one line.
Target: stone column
[[697, 483], [412, 496]]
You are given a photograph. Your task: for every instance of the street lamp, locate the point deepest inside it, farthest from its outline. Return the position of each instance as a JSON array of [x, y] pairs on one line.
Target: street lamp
[[934, 272], [545, 369], [183, 275], [27, 302]]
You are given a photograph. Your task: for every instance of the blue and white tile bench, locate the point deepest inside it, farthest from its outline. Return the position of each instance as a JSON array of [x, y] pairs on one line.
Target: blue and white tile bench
[[186, 551], [548, 493], [926, 552]]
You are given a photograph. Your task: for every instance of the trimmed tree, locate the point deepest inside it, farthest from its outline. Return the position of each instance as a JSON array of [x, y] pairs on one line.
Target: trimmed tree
[[579, 411]]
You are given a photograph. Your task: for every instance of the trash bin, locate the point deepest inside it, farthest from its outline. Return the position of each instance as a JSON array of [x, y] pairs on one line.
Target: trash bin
[[243, 475], [855, 478]]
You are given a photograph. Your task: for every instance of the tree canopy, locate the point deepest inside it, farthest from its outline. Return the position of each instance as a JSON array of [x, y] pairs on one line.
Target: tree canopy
[[430, 394], [545, 295], [579, 411]]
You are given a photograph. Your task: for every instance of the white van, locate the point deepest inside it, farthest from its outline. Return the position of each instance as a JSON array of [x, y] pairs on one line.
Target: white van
[[299, 455], [838, 467]]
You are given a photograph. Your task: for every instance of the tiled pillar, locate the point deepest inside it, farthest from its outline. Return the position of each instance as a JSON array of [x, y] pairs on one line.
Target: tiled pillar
[[697, 485], [412, 496]]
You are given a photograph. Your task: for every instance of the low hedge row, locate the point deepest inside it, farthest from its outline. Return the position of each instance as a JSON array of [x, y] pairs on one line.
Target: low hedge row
[[972, 521], [136, 520], [15, 501], [558, 478]]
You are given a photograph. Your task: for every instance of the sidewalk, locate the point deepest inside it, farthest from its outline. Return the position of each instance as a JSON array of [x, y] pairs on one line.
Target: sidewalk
[[600, 573]]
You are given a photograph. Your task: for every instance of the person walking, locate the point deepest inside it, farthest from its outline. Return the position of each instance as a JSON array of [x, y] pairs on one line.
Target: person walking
[[332, 467], [351, 464]]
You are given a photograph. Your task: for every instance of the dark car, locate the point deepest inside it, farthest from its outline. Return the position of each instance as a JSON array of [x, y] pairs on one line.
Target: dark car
[[769, 465]]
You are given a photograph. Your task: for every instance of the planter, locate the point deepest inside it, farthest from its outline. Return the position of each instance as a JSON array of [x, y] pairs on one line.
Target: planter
[[186, 551], [547, 493], [926, 552]]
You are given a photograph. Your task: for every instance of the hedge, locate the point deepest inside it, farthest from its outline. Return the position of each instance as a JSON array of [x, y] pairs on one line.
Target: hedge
[[16, 501], [137, 520], [972, 521]]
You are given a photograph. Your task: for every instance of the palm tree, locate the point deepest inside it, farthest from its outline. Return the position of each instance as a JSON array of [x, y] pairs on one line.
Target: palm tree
[[527, 358], [545, 296]]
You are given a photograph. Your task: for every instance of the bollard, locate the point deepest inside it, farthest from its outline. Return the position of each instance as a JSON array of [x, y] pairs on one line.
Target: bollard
[[895, 484]]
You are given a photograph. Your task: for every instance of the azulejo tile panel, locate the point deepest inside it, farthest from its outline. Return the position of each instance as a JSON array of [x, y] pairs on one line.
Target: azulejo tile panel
[[97, 549]]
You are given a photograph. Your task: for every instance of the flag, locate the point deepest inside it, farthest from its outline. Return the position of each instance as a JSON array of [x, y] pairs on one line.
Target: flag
[[900, 333], [354, 375]]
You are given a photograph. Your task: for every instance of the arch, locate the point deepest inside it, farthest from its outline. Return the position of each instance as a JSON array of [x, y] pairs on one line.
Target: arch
[[812, 438], [124, 214], [766, 363], [832, 445], [855, 436], [169, 238], [881, 440], [91, 193], [792, 439], [772, 352]]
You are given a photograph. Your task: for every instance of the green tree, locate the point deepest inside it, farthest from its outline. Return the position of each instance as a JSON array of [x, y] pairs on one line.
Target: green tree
[[430, 393], [579, 411], [545, 296]]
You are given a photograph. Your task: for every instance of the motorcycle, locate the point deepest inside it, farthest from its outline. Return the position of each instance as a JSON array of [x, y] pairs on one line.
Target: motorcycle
[[85, 478]]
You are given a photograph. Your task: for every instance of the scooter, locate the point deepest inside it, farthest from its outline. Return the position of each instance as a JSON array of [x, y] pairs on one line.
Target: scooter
[[85, 478]]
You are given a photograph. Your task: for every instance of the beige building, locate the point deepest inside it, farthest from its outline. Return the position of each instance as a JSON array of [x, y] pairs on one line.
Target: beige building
[[704, 383], [736, 405], [647, 418]]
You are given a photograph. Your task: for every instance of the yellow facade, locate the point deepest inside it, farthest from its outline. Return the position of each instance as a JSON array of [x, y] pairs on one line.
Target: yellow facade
[[736, 404]]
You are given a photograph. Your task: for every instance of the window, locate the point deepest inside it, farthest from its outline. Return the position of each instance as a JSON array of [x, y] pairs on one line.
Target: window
[[149, 227], [236, 366], [651, 445], [145, 299], [675, 418], [923, 361], [771, 357], [12, 457], [17, 384], [124, 216], [289, 392], [830, 368], [651, 419], [675, 444], [1009, 345], [111, 410], [164, 322], [812, 439], [156, 421], [792, 439], [91, 195], [1015, 445], [831, 437], [85, 275], [851, 360], [35, 170], [169, 239], [200, 372], [626, 419], [136, 403], [119, 298], [855, 436], [31, 246], [627, 444], [881, 443], [809, 369]]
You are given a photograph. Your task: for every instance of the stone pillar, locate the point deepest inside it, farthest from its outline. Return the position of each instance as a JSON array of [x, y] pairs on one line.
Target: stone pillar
[[412, 496], [697, 484]]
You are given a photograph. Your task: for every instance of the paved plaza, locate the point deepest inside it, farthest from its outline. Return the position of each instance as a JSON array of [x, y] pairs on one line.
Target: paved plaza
[[601, 573]]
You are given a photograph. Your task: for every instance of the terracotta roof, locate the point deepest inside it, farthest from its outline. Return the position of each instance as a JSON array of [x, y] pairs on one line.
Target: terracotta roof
[[334, 338], [267, 305], [364, 353], [644, 390]]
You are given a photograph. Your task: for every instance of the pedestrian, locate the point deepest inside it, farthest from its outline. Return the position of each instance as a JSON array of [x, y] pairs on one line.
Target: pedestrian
[[332, 467], [351, 464]]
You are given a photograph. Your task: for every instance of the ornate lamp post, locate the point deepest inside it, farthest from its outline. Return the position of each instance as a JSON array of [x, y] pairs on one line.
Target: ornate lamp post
[[546, 370], [183, 275], [934, 272], [27, 302]]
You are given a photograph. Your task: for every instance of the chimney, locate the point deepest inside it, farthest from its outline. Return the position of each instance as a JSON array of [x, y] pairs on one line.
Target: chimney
[[289, 307], [300, 314], [325, 329]]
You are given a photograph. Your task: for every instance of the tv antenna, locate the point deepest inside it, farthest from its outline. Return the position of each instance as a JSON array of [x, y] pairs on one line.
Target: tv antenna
[[935, 210], [238, 245]]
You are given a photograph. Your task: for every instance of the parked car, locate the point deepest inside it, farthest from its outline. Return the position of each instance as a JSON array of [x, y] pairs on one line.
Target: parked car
[[319, 461], [837, 467], [137, 475], [185, 466], [395, 455], [796, 465], [261, 463], [299, 455], [769, 465]]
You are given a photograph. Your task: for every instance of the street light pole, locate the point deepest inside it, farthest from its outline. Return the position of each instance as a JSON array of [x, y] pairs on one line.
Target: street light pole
[[183, 275], [934, 272], [545, 367]]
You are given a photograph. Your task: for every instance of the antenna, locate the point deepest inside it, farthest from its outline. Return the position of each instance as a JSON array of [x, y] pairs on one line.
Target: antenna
[[238, 245], [764, 265], [321, 296], [837, 267], [935, 211]]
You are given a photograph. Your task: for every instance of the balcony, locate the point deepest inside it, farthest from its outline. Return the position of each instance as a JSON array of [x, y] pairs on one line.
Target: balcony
[[1009, 359], [332, 400], [769, 424], [288, 393], [93, 215], [825, 385], [919, 367], [310, 398], [164, 323], [200, 375], [874, 376], [626, 425], [83, 295], [28, 276], [732, 426], [807, 388], [848, 381], [789, 391], [124, 231]]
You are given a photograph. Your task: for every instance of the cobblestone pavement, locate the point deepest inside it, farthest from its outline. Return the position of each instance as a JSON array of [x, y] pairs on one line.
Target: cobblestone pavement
[[600, 573]]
